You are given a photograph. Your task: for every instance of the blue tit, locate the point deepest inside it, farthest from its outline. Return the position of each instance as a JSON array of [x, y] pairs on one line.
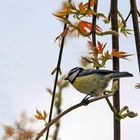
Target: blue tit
[[93, 81]]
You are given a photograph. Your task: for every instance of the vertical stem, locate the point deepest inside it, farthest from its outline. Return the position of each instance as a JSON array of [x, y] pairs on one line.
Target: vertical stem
[[136, 28], [94, 25], [58, 104], [56, 77], [94, 32], [115, 45]]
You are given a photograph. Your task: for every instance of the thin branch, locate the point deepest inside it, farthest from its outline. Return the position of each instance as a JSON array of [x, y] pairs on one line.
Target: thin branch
[[88, 5], [128, 16], [82, 103], [56, 76], [110, 105], [136, 28], [113, 109], [138, 12], [93, 32], [94, 24], [58, 104], [115, 45]]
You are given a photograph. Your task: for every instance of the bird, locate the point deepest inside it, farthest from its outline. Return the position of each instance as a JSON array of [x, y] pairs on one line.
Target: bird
[[93, 82]]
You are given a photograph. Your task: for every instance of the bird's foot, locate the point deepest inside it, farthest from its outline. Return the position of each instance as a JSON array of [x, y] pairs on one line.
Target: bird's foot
[[86, 101]]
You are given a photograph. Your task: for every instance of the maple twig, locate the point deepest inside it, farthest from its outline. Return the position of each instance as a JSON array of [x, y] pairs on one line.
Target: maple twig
[[56, 76], [82, 103]]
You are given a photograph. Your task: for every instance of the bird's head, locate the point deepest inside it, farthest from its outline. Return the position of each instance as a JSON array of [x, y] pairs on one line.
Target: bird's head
[[73, 73]]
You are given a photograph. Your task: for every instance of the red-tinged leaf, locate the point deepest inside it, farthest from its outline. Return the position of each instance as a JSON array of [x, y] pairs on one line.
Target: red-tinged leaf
[[90, 45], [85, 26], [72, 5], [65, 10], [98, 28], [63, 34], [84, 7], [45, 114], [100, 47], [120, 54], [93, 2], [38, 115], [65, 6], [61, 14], [89, 13]]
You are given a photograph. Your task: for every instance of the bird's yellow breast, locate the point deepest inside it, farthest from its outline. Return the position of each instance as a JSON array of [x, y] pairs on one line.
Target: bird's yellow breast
[[92, 84]]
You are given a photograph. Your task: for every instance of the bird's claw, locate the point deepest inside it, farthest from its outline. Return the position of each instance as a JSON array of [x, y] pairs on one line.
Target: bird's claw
[[85, 101]]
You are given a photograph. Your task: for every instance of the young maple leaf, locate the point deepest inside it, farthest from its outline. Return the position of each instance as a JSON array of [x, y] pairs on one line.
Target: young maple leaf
[[63, 34], [120, 54], [100, 47], [106, 56], [84, 27], [41, 116], [125, 31], [123, 28], [98, 28], [90, 45], [120, 24], [83, 8], [94, 49], [65, 10]]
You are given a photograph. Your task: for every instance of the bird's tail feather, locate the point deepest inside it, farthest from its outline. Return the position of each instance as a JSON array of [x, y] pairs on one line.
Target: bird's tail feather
[[120, 75]]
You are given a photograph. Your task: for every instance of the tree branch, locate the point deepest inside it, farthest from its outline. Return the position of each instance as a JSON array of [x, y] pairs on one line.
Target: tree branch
[[93, 32], [56, 76], [82, 103], [115, 45], [128, 16], [94, 24], [134, 12]]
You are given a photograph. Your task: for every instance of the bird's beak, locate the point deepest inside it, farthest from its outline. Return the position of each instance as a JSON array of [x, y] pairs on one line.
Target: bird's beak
[[66, 78]]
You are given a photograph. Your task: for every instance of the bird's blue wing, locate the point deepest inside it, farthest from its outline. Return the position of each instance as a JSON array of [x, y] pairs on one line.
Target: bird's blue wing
[[95, 71]]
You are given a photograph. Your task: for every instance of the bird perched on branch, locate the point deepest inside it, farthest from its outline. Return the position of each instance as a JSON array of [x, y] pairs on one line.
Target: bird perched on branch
[[93, 81]]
